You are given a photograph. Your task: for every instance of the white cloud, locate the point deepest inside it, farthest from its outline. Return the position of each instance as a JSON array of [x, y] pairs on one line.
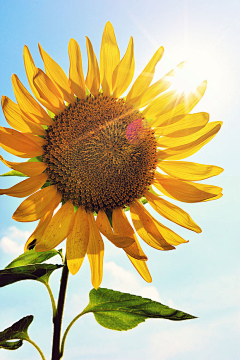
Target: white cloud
[[118, 278], [14, 242]]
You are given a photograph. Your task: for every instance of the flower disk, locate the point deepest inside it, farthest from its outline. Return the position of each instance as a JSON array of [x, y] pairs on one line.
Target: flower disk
[[100, 153]]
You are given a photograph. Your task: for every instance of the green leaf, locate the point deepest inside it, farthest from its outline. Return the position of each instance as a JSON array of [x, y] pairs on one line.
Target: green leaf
[[121, 311], [13, 173], [32, 257], [11, 345], [35, 159], [51, 114], [19, 330], [39, 272]]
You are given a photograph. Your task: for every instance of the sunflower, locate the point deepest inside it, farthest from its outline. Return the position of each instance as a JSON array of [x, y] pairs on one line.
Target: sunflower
[[99, 154]]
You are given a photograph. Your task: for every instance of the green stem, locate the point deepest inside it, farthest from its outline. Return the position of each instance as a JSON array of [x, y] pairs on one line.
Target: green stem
[[54, 309], [57, 320], [38, 349], [67, 330]]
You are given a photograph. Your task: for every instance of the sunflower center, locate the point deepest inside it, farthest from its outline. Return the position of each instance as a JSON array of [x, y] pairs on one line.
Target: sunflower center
[[100, 153]]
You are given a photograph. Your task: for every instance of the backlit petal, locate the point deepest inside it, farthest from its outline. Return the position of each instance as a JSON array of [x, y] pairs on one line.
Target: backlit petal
[[187, 149], [43, 223], [122, 227], [146, 228], [124, 71], [77, 241], [57, 75], [183, 125], [95, 252], [172, 212], [36, 205], [109, 58], [18, 144], [144, 79], [104, 226], [26, 187], [48, 92], [157, 88], [185, 191], [58, 228], [93, 75], [186, 170], [28, 105], [17, 120], [28, 168], [76, 76]]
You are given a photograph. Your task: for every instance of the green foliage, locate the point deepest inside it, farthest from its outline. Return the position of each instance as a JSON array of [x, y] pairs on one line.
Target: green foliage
[[51, 114], [39, 272], [14, 173], [32, 257], [10, 345], [18, 330], [121, 311]]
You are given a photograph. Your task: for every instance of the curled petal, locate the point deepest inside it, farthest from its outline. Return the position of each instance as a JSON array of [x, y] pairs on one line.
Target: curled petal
[[122, 227], [146, 228], [105, 228], [57, 75]]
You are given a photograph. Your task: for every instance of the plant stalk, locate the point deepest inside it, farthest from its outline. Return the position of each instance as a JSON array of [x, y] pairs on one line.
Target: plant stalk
[[57, 320]]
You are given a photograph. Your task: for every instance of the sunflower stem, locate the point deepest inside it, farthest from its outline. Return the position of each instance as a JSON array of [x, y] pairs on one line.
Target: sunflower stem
[[57, 319]]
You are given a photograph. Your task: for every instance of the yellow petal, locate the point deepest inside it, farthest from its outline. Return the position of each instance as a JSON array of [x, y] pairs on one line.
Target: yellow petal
[[17, 120], [186, 170], [95, 252], [124, 71], [122, 227], [36, 205], [183, 125], [77, 241], [49, 95], [37, 139], [170, 236], [105, 228], [76, 76], [18, 144], [57, 75], [109, 58], [43, 223], [146, 228], [164, 103], [26, 187], [157, 88], [187, 149], [144, 79], [185, 191], [142, 268], [172, 212], [28, 168], [28, 105], [58, 228], [93, 75], [184, 106]]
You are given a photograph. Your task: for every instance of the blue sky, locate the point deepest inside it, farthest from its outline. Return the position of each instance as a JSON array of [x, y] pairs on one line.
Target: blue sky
[[201, 277]]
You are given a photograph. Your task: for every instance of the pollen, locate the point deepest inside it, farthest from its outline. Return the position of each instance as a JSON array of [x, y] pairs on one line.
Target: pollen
[[100, 153]]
